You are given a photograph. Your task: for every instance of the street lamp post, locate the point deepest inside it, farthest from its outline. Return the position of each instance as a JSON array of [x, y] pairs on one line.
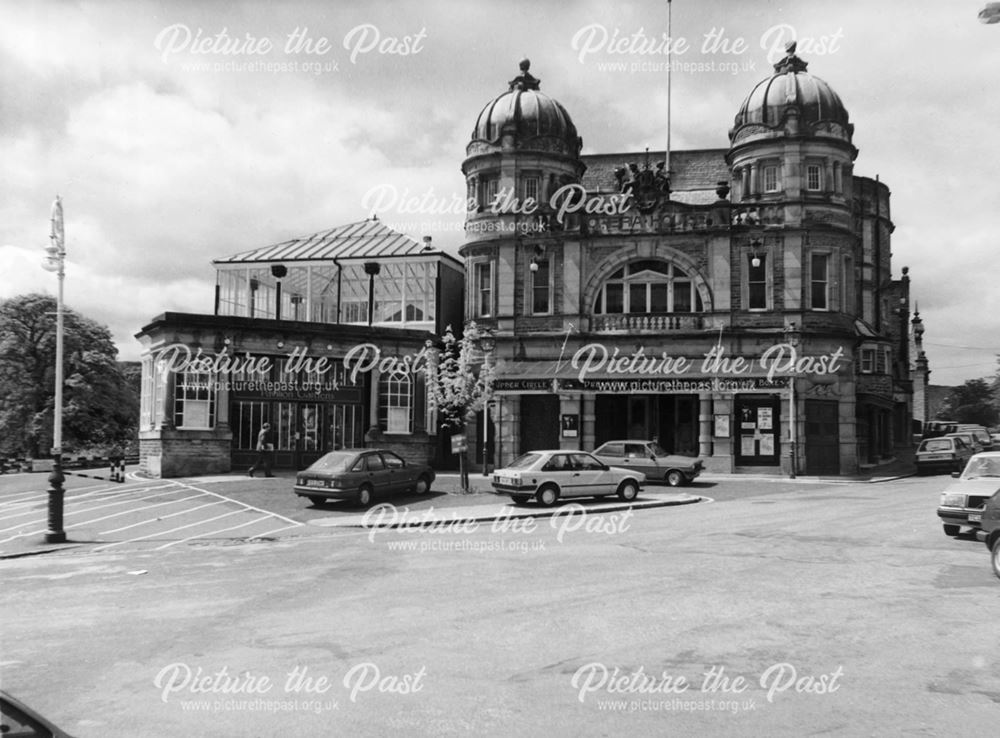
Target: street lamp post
[[55, 262], [792, 338], [487, 343]]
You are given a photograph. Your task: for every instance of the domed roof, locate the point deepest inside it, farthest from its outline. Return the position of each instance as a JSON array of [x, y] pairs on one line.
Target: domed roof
[[535, 119], [792, 85]]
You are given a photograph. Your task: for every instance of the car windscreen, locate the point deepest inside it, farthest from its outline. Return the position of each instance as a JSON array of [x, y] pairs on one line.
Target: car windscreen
[[988, 466], [936, 444], [523, 462], [659, 450], [338, 461]]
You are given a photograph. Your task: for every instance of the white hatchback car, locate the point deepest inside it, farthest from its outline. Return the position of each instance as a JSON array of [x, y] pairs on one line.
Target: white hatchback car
[[550, 475]]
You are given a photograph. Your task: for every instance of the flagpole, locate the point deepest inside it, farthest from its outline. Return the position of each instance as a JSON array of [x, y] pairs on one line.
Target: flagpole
[[670, 43], [56, 262]]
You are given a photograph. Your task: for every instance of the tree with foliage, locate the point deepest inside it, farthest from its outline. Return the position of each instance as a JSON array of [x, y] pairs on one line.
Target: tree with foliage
[[100, 403], [459, 383], [972, 402]]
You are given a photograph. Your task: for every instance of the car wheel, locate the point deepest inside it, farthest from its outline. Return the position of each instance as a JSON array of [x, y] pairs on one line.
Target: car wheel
[[628, 490], [365, 496], [675, 478], [519, 499], [952, 530], [995, 557], [547, 495], [422, 486], [316, 500]]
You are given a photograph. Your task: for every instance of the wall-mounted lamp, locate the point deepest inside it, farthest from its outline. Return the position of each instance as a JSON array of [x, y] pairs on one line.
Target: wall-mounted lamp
[[755, 259], [539, 252]]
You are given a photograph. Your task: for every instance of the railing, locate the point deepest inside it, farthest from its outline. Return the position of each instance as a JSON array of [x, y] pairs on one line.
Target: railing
[[646, 322]]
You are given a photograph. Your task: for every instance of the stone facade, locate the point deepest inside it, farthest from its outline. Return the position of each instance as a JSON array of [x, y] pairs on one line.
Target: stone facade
[[741, 298]]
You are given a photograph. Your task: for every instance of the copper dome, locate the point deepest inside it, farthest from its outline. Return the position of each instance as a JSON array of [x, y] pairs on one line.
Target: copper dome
[[529, 115], [791, 85]]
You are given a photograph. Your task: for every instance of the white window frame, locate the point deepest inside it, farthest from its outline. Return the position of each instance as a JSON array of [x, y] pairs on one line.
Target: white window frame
[[813, 282], [476, 291], [396, 402], [188, 389], [533, 284], [765, 258], [529, 183], [867, 360], [818, 169], [771, 183]]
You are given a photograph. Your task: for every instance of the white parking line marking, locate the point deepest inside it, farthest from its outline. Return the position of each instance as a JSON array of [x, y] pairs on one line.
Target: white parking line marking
[[162, 517], [210, 534], [172, 530], [148, 507], [79, 511], [237, 502]]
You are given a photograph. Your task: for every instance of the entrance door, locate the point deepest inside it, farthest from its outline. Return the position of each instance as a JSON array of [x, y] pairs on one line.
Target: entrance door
[[539, 422], [758, 431], [822, 437]]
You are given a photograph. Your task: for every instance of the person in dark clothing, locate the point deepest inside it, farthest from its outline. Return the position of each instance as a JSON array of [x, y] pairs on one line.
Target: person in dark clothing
[[265, 451]]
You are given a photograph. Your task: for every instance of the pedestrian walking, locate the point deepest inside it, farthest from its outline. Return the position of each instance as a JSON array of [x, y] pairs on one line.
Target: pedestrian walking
[[265, 452]]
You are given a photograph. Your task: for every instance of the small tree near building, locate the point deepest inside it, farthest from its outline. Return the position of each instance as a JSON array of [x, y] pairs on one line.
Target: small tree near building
[[459, 384]]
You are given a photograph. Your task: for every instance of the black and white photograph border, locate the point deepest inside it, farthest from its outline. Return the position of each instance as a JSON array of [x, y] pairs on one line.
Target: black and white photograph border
[[503, 369]]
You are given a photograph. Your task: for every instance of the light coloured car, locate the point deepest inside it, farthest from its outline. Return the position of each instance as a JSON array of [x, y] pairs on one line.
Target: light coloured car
[[969, 439], [555, 474], [962, 503], [649, 458], [944, 453]]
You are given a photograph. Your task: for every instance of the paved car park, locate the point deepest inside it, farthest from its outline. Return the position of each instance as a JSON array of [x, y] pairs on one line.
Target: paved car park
[[141, 513]]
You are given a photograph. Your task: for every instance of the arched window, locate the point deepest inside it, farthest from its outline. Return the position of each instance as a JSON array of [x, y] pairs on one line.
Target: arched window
[[648, 287]]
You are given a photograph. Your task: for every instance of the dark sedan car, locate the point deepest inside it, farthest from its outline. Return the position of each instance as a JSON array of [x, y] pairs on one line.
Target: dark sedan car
[[361, 475]]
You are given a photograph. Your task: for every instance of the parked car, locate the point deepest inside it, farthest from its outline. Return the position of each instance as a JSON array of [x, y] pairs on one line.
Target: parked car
[[979, 433], [947, 453], [361, 475], [649, 458], [962, 503], [990, 531], [550, 475], [17, 719], [969, 438]]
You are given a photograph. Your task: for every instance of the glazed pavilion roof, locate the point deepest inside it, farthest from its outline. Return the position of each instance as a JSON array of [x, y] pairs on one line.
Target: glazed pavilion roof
[[368, 239]]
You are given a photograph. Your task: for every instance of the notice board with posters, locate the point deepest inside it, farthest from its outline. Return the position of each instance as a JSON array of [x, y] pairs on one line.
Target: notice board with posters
[[758, 430]]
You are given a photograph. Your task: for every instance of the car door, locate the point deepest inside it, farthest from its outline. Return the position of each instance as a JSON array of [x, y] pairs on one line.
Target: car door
[[559, 469], [378, 475], [588, 475], [639, 456], [398, 476]]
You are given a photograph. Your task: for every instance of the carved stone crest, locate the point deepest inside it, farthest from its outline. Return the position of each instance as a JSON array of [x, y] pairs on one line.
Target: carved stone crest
[[647, 187]]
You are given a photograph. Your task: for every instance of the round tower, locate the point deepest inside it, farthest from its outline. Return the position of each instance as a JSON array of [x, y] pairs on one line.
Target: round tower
[[523, 148]]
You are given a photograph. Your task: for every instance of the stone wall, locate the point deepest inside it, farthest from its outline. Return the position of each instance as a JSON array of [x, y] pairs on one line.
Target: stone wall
[[168, 453]]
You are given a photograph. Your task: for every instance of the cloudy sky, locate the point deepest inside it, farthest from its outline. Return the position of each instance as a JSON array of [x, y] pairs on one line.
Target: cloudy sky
[[177, 132]]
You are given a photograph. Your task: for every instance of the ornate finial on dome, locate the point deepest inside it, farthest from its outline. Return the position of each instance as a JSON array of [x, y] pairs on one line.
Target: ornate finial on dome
[[791, 63], [525, 81]]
